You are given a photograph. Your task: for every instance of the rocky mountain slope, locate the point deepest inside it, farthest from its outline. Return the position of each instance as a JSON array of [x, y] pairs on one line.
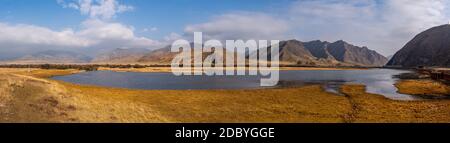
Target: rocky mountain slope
[[429, 48], [347, 53], [322, 53], [294, 52], [159, 56]]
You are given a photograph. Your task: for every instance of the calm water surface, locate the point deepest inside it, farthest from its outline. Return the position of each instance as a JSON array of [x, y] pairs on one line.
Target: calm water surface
[[378, 81]]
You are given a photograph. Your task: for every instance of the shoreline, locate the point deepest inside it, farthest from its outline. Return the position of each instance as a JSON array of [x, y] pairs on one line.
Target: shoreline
[[424, 88], [404, 86], [168, 69], [57, 101]]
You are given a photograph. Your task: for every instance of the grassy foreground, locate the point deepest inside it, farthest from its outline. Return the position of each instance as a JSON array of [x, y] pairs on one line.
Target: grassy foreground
[[31, 97], [424, 88]]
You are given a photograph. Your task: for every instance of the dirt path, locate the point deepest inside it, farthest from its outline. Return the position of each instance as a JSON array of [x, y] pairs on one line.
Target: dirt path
[[351, 116]]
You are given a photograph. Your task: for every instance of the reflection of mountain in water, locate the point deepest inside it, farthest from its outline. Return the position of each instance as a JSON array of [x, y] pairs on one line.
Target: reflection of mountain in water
[[374, 79]]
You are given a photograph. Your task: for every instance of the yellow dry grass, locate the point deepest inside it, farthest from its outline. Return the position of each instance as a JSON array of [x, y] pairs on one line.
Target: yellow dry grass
[[428, 88], [268, 105], [30, 97], [376, 108]]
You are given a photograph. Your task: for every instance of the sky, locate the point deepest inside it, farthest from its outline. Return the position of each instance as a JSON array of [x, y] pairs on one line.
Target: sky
[[94, 25]]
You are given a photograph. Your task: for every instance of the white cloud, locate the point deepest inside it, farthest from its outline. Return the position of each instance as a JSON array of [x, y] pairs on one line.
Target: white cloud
[[410, 16], [21, 39], [93, 36], [172, 37], [104, 9], [96, 33], [107, 34], [242, 25], [68, 5], [119, 34], [381, 25], [34, 35], [152, 29]]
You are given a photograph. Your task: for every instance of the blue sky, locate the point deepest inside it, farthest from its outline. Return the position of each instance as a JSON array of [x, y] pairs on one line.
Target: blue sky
[[166, 15], [94, 25]]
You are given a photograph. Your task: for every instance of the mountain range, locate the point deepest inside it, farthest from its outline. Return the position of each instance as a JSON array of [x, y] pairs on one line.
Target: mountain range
[[52, 56], [428, 48], [292, 52], [323, 53], [120, 56]]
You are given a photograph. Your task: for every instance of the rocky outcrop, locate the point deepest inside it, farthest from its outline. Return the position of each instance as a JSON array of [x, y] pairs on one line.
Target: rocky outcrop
[[322, 53], [294, 52], [429, 48]]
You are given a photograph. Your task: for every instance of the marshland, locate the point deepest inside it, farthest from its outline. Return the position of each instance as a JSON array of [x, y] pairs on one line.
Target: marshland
[[33, 95]]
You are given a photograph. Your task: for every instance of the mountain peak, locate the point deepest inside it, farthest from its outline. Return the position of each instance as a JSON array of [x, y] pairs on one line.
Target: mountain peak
[[341, 42], [292, 41], [428, 48], [322, 53]]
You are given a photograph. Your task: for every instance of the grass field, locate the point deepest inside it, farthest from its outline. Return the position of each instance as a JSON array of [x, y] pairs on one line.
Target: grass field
[[31, 97], [424, 88]]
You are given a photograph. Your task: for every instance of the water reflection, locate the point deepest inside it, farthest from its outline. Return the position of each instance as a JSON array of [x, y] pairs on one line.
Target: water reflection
[[378, 81]]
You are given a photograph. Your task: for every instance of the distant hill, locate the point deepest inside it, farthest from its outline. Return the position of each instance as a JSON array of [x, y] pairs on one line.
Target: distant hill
[[314, 53], [348, 53], [429, 48], [318, 49], [294, 52], [322, 53], [121, 56], [165, 56], [159, 56], [53, 56]]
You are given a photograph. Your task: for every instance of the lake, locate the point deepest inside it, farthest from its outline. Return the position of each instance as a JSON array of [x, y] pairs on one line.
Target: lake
[[378, 81]]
